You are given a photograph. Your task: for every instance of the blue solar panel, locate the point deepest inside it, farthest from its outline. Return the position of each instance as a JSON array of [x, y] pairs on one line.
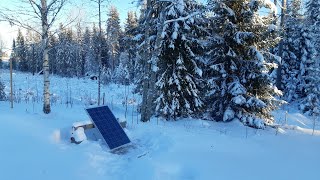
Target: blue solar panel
[[108, 126]]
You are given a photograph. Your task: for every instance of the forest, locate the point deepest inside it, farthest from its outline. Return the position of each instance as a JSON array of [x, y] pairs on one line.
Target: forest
[[222, 60]]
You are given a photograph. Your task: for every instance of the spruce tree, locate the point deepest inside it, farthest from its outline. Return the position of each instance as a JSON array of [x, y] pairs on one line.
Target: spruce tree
[[310, 67], [178, 63], [30, 51], [20, 52], [105, 63], [113, 36], [71, 54], [310, 61], [121, 74], [90, 66], [13, 55], [34, 52], [94, 67], [52, 54], [105, 58], [61, 55], [67, 54], [313, 20], [148, 38], [239, 62], [130, 45], [79, 66], [147, 27], [142, 45], [291, 74]]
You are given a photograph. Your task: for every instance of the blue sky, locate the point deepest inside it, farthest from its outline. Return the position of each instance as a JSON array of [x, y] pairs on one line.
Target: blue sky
[[124, 6], [7, 33], [88, 8]]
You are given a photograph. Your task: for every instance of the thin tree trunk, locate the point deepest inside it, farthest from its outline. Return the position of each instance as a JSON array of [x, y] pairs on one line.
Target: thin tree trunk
[[283, 14], [33, 61], [46, 92], [11, 91], [99, 54]]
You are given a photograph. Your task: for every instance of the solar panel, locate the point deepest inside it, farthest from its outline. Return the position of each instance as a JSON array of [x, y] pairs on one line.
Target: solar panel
[[108, 126]]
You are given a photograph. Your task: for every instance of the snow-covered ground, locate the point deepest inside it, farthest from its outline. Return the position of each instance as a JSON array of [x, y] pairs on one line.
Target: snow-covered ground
[[36, 146]]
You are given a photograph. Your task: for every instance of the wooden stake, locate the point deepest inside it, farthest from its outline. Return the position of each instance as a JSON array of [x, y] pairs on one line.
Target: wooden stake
[[314, 125], [104, 95], [11, 91], [286, 118]]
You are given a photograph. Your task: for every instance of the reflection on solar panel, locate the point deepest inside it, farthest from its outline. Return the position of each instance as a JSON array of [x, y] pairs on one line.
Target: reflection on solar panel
[[108, 126]]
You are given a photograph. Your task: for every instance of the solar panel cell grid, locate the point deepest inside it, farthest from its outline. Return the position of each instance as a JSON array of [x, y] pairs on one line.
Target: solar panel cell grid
[[108, 126]]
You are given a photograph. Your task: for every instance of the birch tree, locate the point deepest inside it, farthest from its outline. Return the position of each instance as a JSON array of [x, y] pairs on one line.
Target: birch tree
[[46, 13], [99, 3]]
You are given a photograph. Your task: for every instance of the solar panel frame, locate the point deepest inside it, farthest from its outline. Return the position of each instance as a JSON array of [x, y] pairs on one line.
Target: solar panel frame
[[110, 129]]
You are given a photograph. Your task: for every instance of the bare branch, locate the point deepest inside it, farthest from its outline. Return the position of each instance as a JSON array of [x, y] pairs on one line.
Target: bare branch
[[34, 5], [55, 14], [14, 21], [53, 2]]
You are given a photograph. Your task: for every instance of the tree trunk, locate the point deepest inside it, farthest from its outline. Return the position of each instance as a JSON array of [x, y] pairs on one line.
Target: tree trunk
[[145, 86], [146, 67], [153, 68], [283, 13], [99, 54], [46, 92], [34, 66]]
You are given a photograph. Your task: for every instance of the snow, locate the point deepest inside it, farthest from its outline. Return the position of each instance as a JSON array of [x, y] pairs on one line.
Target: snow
[[228, 115], [79, 135], [272, 27], [36, 146], [198, 71], [242, 37], [259, 56], [239, 100], [236, 88], [267, 4], [81, 123]]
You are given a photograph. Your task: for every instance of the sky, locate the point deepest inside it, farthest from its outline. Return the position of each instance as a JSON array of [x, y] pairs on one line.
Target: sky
[[8, 33], [87, 7]]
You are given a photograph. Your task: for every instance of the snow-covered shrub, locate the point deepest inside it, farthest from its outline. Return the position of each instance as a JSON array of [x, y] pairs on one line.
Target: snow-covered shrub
[[106, 76], [311, 105], [121, 74]]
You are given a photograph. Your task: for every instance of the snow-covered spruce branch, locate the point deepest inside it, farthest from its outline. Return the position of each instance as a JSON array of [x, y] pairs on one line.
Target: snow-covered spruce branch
[[182, 18]]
